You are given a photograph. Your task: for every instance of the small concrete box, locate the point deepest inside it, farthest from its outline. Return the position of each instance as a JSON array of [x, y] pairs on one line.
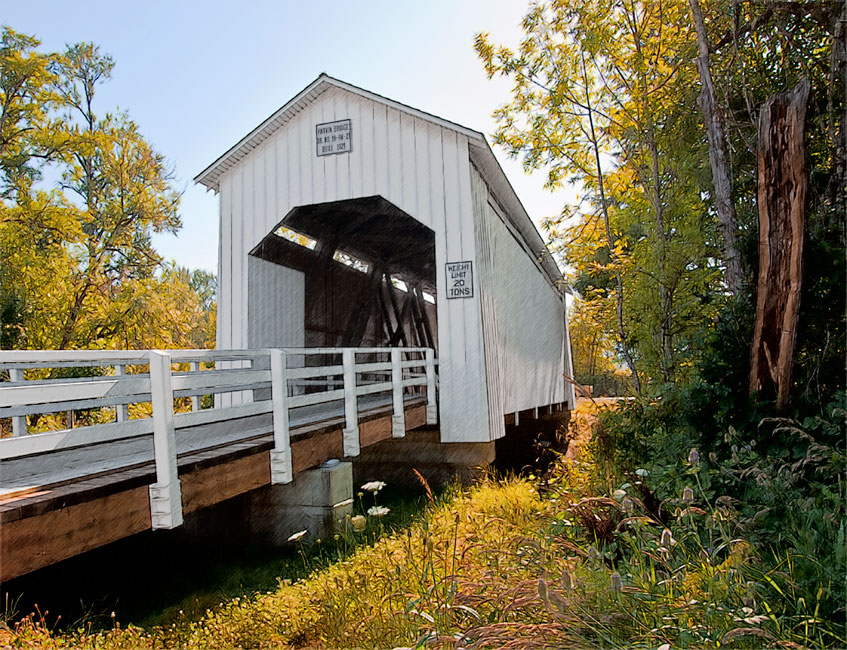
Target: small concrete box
[[327, 486]]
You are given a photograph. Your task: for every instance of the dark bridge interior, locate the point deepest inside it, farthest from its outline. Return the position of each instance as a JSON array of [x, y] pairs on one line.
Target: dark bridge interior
[[369, 272]]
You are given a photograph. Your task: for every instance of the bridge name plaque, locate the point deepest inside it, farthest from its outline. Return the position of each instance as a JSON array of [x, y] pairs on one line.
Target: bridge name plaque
[[459, 280], [333, 137]]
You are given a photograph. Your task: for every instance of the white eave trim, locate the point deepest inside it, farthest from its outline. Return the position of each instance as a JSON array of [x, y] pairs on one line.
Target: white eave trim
[[480, 154], [210, 177], [482, 157]]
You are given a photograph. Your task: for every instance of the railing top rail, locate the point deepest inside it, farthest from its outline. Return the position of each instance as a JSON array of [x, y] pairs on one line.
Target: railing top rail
[[371, 350], [106, 357]]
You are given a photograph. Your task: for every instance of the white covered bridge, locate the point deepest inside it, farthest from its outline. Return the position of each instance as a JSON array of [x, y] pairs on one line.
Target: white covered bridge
[[408, 196], [377, 275]]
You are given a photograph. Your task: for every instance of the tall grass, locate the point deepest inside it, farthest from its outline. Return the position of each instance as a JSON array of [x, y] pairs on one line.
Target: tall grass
[[574, 561]]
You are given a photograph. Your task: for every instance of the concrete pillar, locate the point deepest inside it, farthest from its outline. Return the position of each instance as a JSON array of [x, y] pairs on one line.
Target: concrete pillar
[[422, 450], [318, 500], [315, 501]]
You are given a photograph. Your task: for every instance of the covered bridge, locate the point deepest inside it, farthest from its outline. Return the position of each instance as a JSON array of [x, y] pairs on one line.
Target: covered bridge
[[353, 229], [349, 219]]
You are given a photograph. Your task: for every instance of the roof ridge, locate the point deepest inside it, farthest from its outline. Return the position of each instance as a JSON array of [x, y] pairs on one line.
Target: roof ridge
[[210, 175]]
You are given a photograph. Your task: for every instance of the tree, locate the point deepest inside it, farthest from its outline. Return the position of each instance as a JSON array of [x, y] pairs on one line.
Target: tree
[[78, 266], [596, 102], [718, 156]]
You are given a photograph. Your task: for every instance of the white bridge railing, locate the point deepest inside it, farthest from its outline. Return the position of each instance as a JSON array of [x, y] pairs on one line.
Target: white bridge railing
[[245, 383]]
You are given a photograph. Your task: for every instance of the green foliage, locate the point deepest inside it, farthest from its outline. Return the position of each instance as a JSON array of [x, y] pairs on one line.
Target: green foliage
[[618, 80], [577, 562], [81, 196], [780, 480]]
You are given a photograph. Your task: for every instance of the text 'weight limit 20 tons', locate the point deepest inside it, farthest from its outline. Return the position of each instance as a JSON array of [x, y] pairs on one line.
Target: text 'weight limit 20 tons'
[[459, 280]]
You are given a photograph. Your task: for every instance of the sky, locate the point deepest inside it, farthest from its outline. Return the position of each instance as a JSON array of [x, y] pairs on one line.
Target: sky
[[198, 76]]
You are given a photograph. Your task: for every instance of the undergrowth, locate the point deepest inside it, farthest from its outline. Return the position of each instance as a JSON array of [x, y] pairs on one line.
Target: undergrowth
[[577, 559]]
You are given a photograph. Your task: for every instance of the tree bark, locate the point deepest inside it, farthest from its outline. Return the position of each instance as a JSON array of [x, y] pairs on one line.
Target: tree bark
[[718, 159], [781, 197], [622, 337]]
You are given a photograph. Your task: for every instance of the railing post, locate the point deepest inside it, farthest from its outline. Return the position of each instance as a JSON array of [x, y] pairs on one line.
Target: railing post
[[351, 411], [19, 421], [398, 420], [194, 366], [165, 494], [121, 410], [431, 404], [281, 470]]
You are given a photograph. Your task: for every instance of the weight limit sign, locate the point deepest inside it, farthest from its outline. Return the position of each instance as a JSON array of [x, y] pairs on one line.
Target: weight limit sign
[[459, 280]]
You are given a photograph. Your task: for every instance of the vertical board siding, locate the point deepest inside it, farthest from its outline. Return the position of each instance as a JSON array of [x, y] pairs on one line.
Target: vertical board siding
[[529, 317], [424, 169], [486, 261], [382, 176], [407, 160], [278, 319], [394, 157], [223, 337]]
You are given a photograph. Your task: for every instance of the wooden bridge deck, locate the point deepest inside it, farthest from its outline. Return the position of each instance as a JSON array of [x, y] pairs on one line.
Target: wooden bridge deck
[[71, 498]]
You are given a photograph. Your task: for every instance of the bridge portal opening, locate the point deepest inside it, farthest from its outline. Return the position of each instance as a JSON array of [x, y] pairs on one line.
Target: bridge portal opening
[[353, 273]]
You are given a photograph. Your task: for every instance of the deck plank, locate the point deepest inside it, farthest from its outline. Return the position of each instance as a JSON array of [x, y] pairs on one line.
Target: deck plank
[[52, 523]]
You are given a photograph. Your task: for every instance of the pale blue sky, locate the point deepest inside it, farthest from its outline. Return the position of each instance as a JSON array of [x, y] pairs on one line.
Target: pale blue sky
[[198, 76]]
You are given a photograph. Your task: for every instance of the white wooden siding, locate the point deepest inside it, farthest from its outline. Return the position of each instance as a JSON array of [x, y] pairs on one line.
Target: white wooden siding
[[504, 350], [278, 319], [419, 166], [523, 317]]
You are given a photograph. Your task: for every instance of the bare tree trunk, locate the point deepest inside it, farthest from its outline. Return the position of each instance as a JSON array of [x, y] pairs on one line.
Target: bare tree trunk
[[837, 120], [622, 338], [721, 178], [782, 182], [665, 295]]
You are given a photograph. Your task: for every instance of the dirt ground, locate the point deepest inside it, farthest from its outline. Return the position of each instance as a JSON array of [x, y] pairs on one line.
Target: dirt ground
[[583, 419]]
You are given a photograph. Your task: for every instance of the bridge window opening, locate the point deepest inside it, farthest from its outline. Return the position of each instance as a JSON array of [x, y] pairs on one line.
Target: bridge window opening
[[368, 281], [352, 262], [399, 284], [296, 237]]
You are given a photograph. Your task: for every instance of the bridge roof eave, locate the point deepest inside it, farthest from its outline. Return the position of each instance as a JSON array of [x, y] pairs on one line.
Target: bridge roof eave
[[479, 150], [211, 176]]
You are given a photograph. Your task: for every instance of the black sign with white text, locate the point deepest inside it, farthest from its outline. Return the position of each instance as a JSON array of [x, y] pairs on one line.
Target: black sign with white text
[[333, 137], [459, 280]]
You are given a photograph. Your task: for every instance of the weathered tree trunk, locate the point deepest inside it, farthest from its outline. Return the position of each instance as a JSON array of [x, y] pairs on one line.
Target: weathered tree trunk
[[837, 120], [721, 178], [623, 339], [781, 198]]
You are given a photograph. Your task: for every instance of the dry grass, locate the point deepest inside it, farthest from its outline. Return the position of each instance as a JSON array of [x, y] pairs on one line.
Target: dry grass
[[502, 566]]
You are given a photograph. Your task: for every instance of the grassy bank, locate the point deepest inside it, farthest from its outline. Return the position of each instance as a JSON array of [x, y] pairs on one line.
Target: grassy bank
[[572, 559]]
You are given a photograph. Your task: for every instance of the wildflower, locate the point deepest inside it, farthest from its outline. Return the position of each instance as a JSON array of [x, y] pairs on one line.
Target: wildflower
[[296, 537], [373, 486], [358, 522], [693, 457], [667, 538], [664, 646], [627, 505], [641, 472], [615, 580], [378, 511], [688, 495], [618, 495]]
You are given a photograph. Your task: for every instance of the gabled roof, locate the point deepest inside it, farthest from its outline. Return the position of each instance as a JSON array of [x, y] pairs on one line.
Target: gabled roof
[[480, 153]]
